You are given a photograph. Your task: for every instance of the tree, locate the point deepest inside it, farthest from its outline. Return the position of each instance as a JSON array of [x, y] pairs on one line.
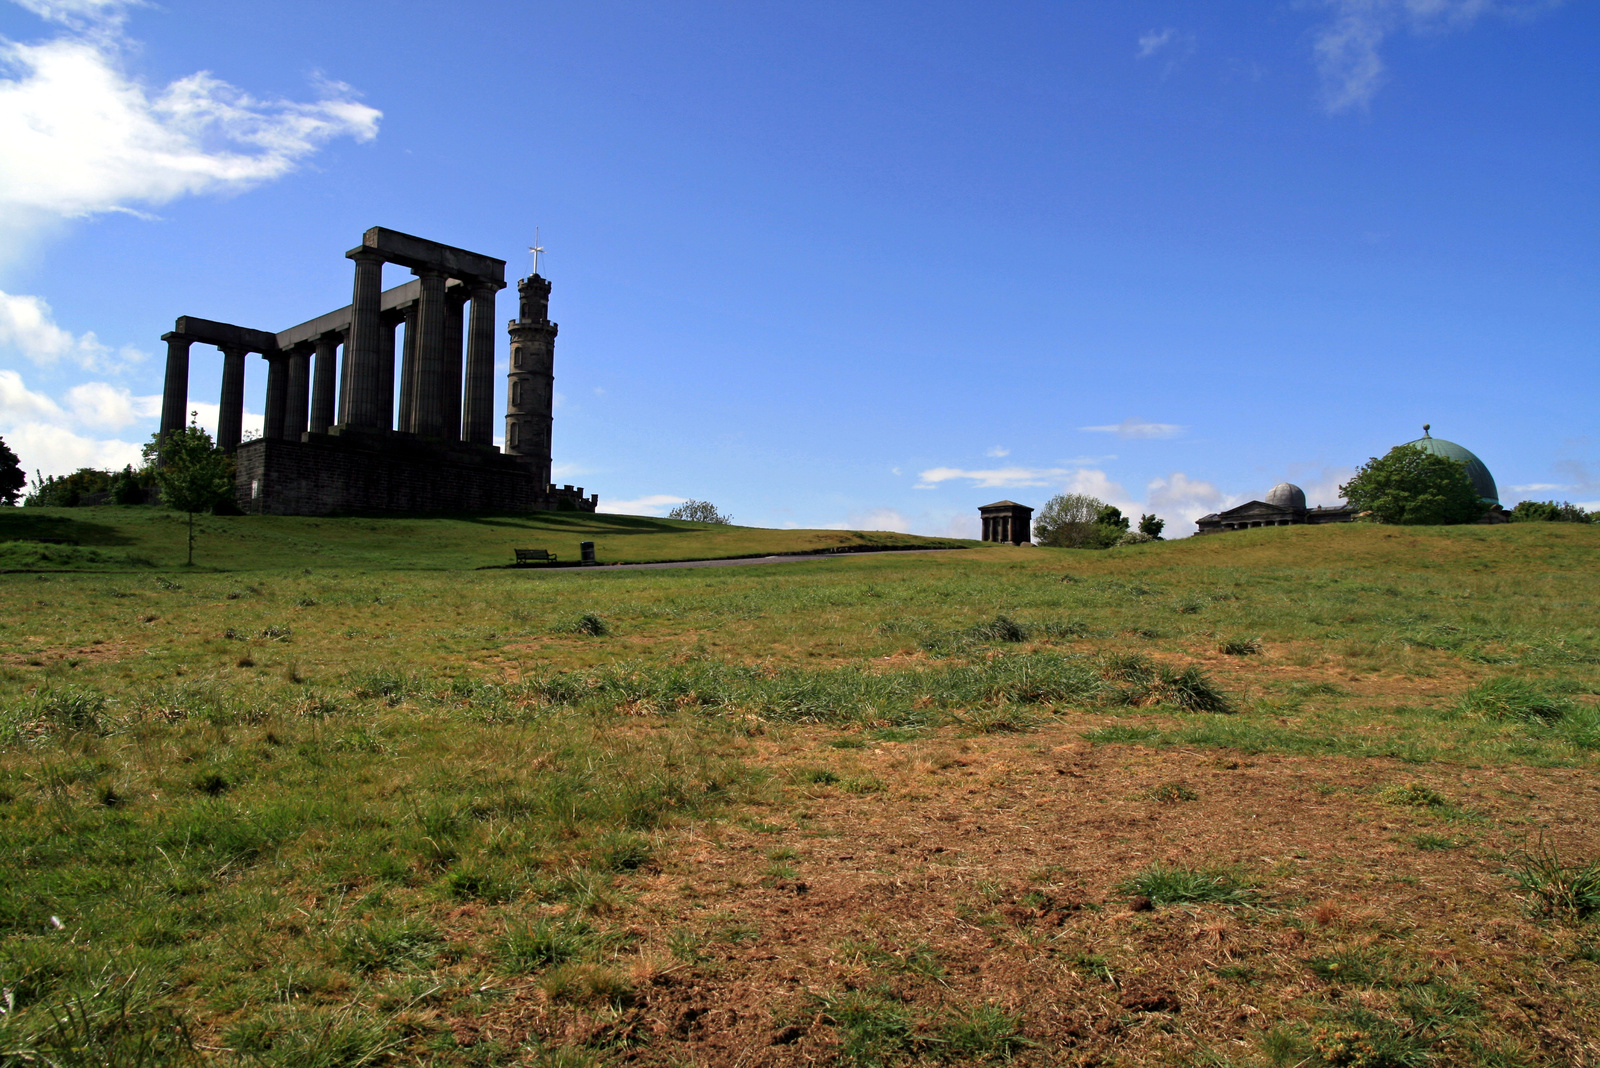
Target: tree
[[12, 477], [1411, 485], [193, 474], [1067, 521], [699, 512], [1152, 525]]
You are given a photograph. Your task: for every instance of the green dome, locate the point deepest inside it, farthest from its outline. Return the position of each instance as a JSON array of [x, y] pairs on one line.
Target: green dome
[[1482, 480]]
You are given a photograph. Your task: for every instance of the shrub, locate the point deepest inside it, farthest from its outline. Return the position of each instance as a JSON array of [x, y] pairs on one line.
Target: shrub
[[699, 512], [12, 477], [1514, 699], [1551, 512], [1555, 887], [1172, 886]]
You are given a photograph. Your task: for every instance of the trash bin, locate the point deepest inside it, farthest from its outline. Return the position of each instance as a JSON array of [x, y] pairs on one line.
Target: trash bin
[[586, 548]]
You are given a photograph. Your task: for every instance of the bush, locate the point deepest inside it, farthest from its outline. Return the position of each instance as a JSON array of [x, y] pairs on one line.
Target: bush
[[66, 491], [1508, 698], [1152, 525], [1411, 485], [1551, 512], [699, 512]]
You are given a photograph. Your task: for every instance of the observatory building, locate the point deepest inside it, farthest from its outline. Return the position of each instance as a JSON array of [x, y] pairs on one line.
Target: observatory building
[[1286, 503], [1285, 506], [336, 440]]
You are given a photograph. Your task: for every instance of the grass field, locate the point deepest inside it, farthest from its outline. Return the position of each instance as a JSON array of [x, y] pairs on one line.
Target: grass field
[[1295, 796], [113, 538]]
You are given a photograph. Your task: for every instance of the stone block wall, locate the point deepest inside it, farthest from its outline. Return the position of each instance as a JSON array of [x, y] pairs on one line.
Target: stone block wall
[[327, 474]]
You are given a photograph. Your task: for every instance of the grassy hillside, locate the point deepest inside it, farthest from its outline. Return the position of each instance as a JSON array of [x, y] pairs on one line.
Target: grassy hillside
[[1294, 796], [112, 538]]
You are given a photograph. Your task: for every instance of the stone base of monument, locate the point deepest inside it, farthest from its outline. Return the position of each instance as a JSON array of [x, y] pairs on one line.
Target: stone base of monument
[[375, 472]]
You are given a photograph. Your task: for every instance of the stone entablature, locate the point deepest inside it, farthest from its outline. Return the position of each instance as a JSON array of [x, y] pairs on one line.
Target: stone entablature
[[345, 445]]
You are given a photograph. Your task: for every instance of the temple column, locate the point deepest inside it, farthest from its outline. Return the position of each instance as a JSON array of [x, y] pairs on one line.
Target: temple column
[[408, 373], [386, 373], [323, 383], [429, 397], [454, 327], [478, 394], [277, 394], [175, 391], [297, 395], [361, 348], [230, 413]]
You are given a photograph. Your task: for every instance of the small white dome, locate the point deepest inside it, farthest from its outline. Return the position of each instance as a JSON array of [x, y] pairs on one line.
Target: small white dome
[[1288, 496]]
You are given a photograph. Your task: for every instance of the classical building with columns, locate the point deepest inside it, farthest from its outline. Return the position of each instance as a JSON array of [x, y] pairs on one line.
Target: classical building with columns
[[335, 440]]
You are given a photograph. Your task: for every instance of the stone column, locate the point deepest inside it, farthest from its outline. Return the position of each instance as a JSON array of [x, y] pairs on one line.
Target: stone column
[[361, 349], [429, 396], [478, 394], [454, 313], [175, 392], [277, 394], [230, 416], [386, 373], [297, 395], [323, 382], [408, 373]]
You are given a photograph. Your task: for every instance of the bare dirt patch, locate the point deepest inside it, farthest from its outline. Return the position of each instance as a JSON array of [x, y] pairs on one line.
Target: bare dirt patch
[[946, 874]]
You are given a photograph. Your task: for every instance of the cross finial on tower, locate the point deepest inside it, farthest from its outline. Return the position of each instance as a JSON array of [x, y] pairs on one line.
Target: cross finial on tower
[[536, 249]]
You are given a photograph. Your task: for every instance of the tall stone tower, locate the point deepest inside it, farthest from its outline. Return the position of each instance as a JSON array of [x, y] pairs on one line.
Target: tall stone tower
[[530, 384]]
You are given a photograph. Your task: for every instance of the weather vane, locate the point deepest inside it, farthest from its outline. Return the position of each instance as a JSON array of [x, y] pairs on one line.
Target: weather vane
[[536, 249]]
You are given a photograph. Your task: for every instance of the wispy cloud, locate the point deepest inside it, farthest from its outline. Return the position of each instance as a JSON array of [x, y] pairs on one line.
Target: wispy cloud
[[1539, 487], [1137, 428], [997, 452], [1347, 48], [1154, 41], [998, 477], [657, 504]]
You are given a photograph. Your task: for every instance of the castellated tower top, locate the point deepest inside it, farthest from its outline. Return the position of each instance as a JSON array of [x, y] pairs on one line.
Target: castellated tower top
[[534, 291]]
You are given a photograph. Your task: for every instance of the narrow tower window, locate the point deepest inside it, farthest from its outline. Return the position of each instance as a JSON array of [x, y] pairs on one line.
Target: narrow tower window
[[513, 437]]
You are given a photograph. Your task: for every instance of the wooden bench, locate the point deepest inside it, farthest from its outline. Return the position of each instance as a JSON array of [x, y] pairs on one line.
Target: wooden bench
[[526, 557]]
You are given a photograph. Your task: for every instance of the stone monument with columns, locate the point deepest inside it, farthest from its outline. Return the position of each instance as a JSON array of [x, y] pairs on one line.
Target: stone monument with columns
[[334, 438]]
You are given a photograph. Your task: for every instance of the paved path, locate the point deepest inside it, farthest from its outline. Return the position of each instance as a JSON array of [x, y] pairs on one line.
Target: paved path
[[798, 558]]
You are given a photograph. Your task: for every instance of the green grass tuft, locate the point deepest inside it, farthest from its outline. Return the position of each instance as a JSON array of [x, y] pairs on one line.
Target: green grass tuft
[[1165, 885]]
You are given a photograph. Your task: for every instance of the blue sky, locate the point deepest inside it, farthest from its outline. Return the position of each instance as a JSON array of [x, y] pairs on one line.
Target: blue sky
[[865, 265]]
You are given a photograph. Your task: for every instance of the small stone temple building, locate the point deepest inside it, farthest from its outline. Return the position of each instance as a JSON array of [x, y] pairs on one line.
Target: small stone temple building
[[1007, 521], [335, 438], [1285, 506]]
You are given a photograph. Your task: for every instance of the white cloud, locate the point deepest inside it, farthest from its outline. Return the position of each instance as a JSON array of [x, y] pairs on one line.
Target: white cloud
[[112, 407], [1347, 48], [250, 425], [932, 524], [1180, 500], [20, 404], [994, 477], [1137, 428], [1152, 42], [28, 327], [56, 437], [1539, 487], [657, 504], [998, 451], [82, 137], [56, 450]]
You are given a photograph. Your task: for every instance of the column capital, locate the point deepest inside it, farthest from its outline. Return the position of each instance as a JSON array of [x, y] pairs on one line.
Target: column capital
[[173, 335], [364, 255]]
